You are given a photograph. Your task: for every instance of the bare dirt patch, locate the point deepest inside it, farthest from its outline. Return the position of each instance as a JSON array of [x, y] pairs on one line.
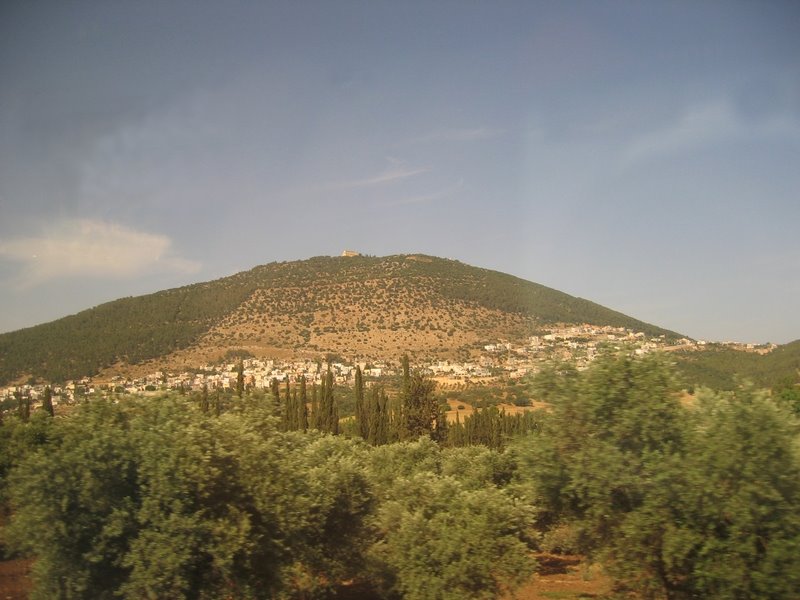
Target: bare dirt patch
[[15, 583], [564, 577]]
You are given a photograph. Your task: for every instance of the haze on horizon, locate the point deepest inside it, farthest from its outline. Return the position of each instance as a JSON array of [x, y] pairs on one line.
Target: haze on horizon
[[640, 155]]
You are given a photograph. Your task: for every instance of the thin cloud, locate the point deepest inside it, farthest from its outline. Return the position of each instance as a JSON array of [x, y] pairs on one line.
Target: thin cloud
[[703, 125], [91, 248], [427, 198], [389, 176], [398, 172], [459, 135]]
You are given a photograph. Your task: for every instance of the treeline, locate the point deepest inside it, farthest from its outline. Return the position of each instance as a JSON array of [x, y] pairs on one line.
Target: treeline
[[723, 368], [247, 495], [413, 411], [130, 329], [680, 498], [159, 499]]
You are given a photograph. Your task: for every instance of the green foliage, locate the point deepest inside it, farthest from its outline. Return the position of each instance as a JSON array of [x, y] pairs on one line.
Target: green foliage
[[360, 405], [240, 378], [237, 354], [445, 531], [18, 439], [490, 427], [734, 502], [47, 401], [165, 497], [722, 368], [327, 420], [419, 406], [153, 498], [446, 542], [787, 392], [679, 503], [73, 505], [157, 500], [131, 329]]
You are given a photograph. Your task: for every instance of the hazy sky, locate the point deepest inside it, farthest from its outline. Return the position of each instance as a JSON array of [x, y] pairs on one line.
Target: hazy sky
[[643, 155]]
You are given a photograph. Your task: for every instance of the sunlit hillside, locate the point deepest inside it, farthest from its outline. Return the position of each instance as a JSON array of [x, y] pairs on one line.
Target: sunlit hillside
[[353, 306]]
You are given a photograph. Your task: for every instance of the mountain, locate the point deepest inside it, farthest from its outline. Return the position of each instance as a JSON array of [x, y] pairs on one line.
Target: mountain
[[373, 307]]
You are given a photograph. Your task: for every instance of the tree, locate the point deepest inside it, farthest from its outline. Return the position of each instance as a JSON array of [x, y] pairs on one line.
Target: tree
[[419, 407], [679, 504], [288, 415], [787, 391], [724, 521], [361, 408], [80, 539], [443, 537], [316, 414], [275, 388], [204, 398], [302, 406], [328, 408], [217, 403], [23, 406], [378, 432], [156, 501], [47, 401], [144, 499], [607, 424], [240, 378]]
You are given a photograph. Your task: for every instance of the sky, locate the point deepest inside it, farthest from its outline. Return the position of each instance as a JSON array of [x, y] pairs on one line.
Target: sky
[[642, 155]]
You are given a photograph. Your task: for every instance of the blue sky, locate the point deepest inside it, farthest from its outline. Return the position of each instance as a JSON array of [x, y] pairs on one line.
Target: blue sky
[[643, 155]]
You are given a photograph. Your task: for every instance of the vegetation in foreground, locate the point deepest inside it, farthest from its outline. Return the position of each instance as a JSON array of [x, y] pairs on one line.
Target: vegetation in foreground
[[171, 497]]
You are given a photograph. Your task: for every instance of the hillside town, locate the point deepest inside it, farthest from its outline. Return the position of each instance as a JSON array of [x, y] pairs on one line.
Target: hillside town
[[494, 361]]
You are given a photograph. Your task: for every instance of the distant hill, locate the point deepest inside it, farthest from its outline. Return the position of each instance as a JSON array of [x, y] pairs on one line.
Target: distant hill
[[723, 368], [371, 307]]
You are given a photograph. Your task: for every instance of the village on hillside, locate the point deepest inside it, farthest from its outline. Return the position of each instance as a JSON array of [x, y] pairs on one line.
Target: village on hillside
[[496, 360]]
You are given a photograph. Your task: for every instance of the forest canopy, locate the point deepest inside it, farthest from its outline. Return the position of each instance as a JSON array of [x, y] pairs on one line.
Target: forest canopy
[[190, 497]]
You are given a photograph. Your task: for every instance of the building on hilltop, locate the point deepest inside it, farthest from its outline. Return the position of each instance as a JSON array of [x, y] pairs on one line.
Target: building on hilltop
[[350, 253]]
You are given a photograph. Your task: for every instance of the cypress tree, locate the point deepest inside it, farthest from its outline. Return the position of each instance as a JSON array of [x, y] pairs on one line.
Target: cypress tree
[[374, 417], [302, 406], [275, 388], [286, 417], [23, 406], [322, 419], [204, 399], [383, 422], [455, 433], [441, 426], [420, 408], [330, 408], [47, 401], [406, 376], [314, 424], [362, 411], [378, 431], [240, 378]]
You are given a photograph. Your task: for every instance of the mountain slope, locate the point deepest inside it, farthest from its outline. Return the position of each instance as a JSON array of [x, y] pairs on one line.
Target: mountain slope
[[366, 306], [723, 368]]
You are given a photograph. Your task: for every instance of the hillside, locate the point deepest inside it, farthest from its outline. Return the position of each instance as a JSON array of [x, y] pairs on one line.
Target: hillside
[[371, 307], [723, 368]]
